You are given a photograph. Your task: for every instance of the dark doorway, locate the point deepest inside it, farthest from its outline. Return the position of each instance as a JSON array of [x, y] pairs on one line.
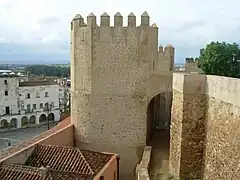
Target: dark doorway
[[7, 110], [158, 115]]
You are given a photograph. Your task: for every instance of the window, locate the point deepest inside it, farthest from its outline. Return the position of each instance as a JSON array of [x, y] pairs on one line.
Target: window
[[6, 93], [7, 110], [28, 96], [28, 108], [101, 177], [52, 104], [5, 82], [46, 105], [41, 105], [37, 95], [22, 107], [46, 94], [34, 106]]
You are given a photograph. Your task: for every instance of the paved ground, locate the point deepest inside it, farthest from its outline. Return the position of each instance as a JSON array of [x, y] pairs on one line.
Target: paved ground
[[160, 155], [19, 135]]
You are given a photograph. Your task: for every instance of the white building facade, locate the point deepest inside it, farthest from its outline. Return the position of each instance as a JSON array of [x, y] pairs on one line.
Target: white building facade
[[27, 103], [64, 96]]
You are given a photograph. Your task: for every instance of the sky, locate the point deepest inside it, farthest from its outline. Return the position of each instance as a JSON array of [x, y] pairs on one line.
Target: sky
[[38, 31]]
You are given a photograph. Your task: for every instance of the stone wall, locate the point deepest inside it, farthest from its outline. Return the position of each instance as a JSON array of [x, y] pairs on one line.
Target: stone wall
[[176, 124], [142, 169], [205, 127], [187, 128], [192, 66], [222, 151], [110, 70], [193, 135]]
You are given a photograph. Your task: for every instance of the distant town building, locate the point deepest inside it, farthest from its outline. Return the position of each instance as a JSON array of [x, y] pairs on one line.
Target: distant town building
[[28, 102], [64, 95], [5, 71]]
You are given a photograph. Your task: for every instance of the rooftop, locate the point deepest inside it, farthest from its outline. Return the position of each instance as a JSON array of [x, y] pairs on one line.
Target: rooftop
[[68, 159], [44, 158], [22, 172], [35, 83]]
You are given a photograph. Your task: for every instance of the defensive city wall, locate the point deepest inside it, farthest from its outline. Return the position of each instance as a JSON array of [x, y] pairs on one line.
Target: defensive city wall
[[205, 127]]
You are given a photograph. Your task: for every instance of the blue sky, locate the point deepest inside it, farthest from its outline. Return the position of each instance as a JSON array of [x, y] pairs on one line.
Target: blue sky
[[34, 31]]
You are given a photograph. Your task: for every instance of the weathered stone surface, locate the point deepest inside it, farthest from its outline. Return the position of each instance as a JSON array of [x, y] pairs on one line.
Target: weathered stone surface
[[110, 72], [222, 155], [193, 135], [176, 132], [205, 141], [187, 134]]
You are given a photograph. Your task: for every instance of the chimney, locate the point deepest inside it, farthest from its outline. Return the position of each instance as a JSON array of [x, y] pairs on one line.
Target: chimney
[[44, 171]]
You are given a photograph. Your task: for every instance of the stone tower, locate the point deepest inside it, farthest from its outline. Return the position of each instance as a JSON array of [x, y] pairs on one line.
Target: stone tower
[[115, 72]]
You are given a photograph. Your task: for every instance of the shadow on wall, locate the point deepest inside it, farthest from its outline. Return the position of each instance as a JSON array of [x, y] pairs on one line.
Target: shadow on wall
[[188, 129]]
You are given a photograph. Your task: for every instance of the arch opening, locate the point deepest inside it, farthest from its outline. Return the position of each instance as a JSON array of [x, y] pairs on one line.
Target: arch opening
[[32, 120], [4, 123], [24, 121], [13, 123], [158, 131], [158, 117], [42, 118], [51, 117]]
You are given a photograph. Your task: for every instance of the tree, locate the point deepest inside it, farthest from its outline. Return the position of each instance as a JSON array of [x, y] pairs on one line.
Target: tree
[[45, 70], [220, 59]]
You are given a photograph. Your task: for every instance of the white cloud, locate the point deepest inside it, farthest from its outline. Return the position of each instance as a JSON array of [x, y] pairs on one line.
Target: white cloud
[[185, 23]]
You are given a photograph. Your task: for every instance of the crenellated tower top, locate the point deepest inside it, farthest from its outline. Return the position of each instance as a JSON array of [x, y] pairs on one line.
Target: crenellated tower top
[[78, 20]]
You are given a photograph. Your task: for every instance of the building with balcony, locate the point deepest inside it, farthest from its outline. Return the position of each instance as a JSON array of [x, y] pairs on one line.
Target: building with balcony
[[27, 103]]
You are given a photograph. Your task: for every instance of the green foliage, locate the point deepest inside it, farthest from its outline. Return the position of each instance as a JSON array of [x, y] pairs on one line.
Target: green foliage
[[220, 59], [45, 70]]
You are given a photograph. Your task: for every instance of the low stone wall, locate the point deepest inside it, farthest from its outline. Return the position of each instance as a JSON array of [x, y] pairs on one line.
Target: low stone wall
[[142, 168], [222, 146], [187, 125], [205, 130]]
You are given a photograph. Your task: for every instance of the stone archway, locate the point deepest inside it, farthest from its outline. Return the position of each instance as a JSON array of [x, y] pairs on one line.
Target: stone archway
[[13, 123], [4, 123], [32, 119], [24, 121], [42, 118], [158, 133], [51, 117], [158, 114]]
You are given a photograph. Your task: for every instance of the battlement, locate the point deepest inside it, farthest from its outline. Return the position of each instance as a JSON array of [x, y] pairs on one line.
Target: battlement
[[165, 59], [167, 50], [191, 65], [190, 60], [78, 21]]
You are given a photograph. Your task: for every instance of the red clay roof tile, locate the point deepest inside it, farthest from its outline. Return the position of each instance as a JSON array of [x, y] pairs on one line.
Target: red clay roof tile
[[68, 159], [21, 172], [24, 144], [59, 158]]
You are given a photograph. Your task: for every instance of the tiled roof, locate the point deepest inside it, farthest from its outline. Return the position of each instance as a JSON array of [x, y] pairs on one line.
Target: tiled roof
[[21, 172], [35, 139], [96, 160], [68, 159]]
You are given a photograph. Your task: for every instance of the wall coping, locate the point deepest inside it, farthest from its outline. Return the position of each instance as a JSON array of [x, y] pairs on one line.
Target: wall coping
[[142, 168], [115, 156], [223, 88]]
